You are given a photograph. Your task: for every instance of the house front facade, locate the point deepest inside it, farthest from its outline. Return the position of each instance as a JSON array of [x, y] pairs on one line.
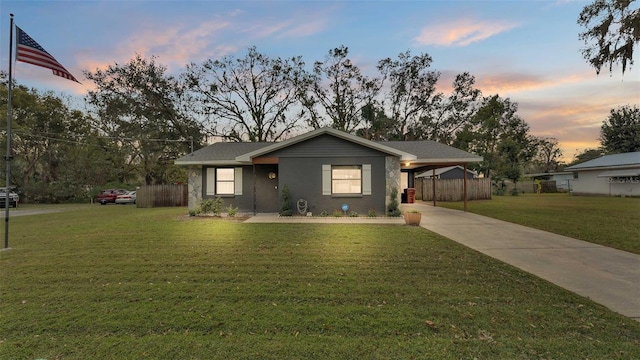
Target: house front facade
[[325, 169], [613, 175]]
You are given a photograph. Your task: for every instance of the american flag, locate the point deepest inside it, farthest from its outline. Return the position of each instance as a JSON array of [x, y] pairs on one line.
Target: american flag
[[31, 52]]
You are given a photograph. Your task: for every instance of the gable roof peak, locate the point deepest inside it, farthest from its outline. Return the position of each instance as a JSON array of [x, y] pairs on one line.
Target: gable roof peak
[[326, 131]]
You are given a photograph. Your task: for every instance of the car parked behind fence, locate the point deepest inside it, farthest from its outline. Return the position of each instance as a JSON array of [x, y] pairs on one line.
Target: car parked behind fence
[[109, 196], [127, 198]]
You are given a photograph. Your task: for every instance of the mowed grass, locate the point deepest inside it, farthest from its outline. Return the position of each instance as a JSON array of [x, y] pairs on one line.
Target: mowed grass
[[609, 221], [117, 282]]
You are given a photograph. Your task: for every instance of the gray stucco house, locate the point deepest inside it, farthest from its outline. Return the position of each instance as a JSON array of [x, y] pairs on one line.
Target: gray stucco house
[[325, 167]]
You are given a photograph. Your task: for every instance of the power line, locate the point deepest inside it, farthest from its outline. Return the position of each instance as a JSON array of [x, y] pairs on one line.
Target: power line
[[47, 137]]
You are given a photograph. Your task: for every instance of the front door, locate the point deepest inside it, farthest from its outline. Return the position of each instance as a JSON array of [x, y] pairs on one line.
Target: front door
[[267, 192]]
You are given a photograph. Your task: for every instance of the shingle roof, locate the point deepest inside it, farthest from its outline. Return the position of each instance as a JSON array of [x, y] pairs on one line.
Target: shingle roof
[[217, 153], [608, 161], [232, 153], [333, 132]]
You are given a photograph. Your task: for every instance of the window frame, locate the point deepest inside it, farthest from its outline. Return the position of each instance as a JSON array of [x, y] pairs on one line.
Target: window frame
[[219, 182], [334, 179], [211, 187]]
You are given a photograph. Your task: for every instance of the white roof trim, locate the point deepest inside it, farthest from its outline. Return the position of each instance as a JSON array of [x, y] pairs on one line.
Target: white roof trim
[[212, 163], [452, 161], [404, 156], [620, 173]]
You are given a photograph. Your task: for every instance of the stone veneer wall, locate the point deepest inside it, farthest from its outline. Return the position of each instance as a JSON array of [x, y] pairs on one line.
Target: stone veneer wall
[[392, 171], [195, 186]]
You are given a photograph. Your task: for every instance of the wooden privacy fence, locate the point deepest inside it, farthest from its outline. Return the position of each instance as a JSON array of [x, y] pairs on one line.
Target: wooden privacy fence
[[162, 196], [452, 189]]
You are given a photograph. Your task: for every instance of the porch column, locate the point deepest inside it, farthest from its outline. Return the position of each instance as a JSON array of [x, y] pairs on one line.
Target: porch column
[[464, 186], [433, 186]]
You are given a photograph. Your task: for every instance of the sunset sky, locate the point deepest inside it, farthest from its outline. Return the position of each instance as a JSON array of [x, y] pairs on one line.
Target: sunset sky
[[527, 51]]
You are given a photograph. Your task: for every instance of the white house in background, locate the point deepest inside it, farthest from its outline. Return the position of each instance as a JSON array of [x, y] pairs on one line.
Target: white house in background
[[617, 175], [563, 179]]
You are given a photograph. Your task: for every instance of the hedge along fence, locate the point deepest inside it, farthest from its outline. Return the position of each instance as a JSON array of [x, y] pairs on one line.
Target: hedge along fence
[[162, 196], [453, 189]]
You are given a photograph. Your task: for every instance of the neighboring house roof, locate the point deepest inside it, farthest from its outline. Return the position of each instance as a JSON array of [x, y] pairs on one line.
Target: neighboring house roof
[[238, 153], [615, 161], [337, 133], [557, 173], [443, 170]]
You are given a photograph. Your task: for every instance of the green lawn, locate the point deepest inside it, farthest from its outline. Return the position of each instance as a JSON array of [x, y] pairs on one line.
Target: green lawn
[[609, 221], [117, 282]]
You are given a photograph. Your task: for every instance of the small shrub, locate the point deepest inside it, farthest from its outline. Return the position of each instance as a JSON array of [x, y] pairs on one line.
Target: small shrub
[[285, 208], [324, 213], [232, 211], [206, 206], [193, 212], [353, 214], [392, 208], [337, 213], [218, 206], [372, 213], [515, 192]]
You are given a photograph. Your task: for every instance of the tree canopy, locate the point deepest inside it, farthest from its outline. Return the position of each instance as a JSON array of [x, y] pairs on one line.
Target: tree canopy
[[611, 30], [338, 89], [138, 118], [412, 92], [620, 132], [142, 110]]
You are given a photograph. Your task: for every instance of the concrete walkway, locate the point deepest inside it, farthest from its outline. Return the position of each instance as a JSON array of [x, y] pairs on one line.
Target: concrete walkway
[[607, 276], [274, 218]]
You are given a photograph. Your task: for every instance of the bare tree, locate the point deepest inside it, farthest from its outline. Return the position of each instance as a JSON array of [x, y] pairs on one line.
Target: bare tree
[[340, 90], [548, 154], [449, 115], [412, 92], [247, 99]]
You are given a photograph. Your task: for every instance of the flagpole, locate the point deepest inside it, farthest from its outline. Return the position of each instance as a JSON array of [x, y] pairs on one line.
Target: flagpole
[[8, 156]]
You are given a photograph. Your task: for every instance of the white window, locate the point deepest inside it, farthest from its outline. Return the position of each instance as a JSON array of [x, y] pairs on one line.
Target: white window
[[346, 180], [225, 181]]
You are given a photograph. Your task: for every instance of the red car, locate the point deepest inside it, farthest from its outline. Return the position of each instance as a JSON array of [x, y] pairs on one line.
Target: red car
[[109, 196]]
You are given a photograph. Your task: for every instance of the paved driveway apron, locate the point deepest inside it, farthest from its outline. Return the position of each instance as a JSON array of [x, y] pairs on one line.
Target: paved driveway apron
[[607, 276]]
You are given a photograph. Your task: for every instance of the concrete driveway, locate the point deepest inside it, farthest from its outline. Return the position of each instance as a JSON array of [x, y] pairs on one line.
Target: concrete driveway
[[607, 276], [18, 212]]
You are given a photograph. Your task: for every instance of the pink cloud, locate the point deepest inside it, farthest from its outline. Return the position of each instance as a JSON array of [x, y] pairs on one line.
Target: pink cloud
[[298, 25], [461, 32], [307, 28]]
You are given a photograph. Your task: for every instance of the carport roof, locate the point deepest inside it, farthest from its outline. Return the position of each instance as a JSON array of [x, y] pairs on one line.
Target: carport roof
[[434, 152]]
